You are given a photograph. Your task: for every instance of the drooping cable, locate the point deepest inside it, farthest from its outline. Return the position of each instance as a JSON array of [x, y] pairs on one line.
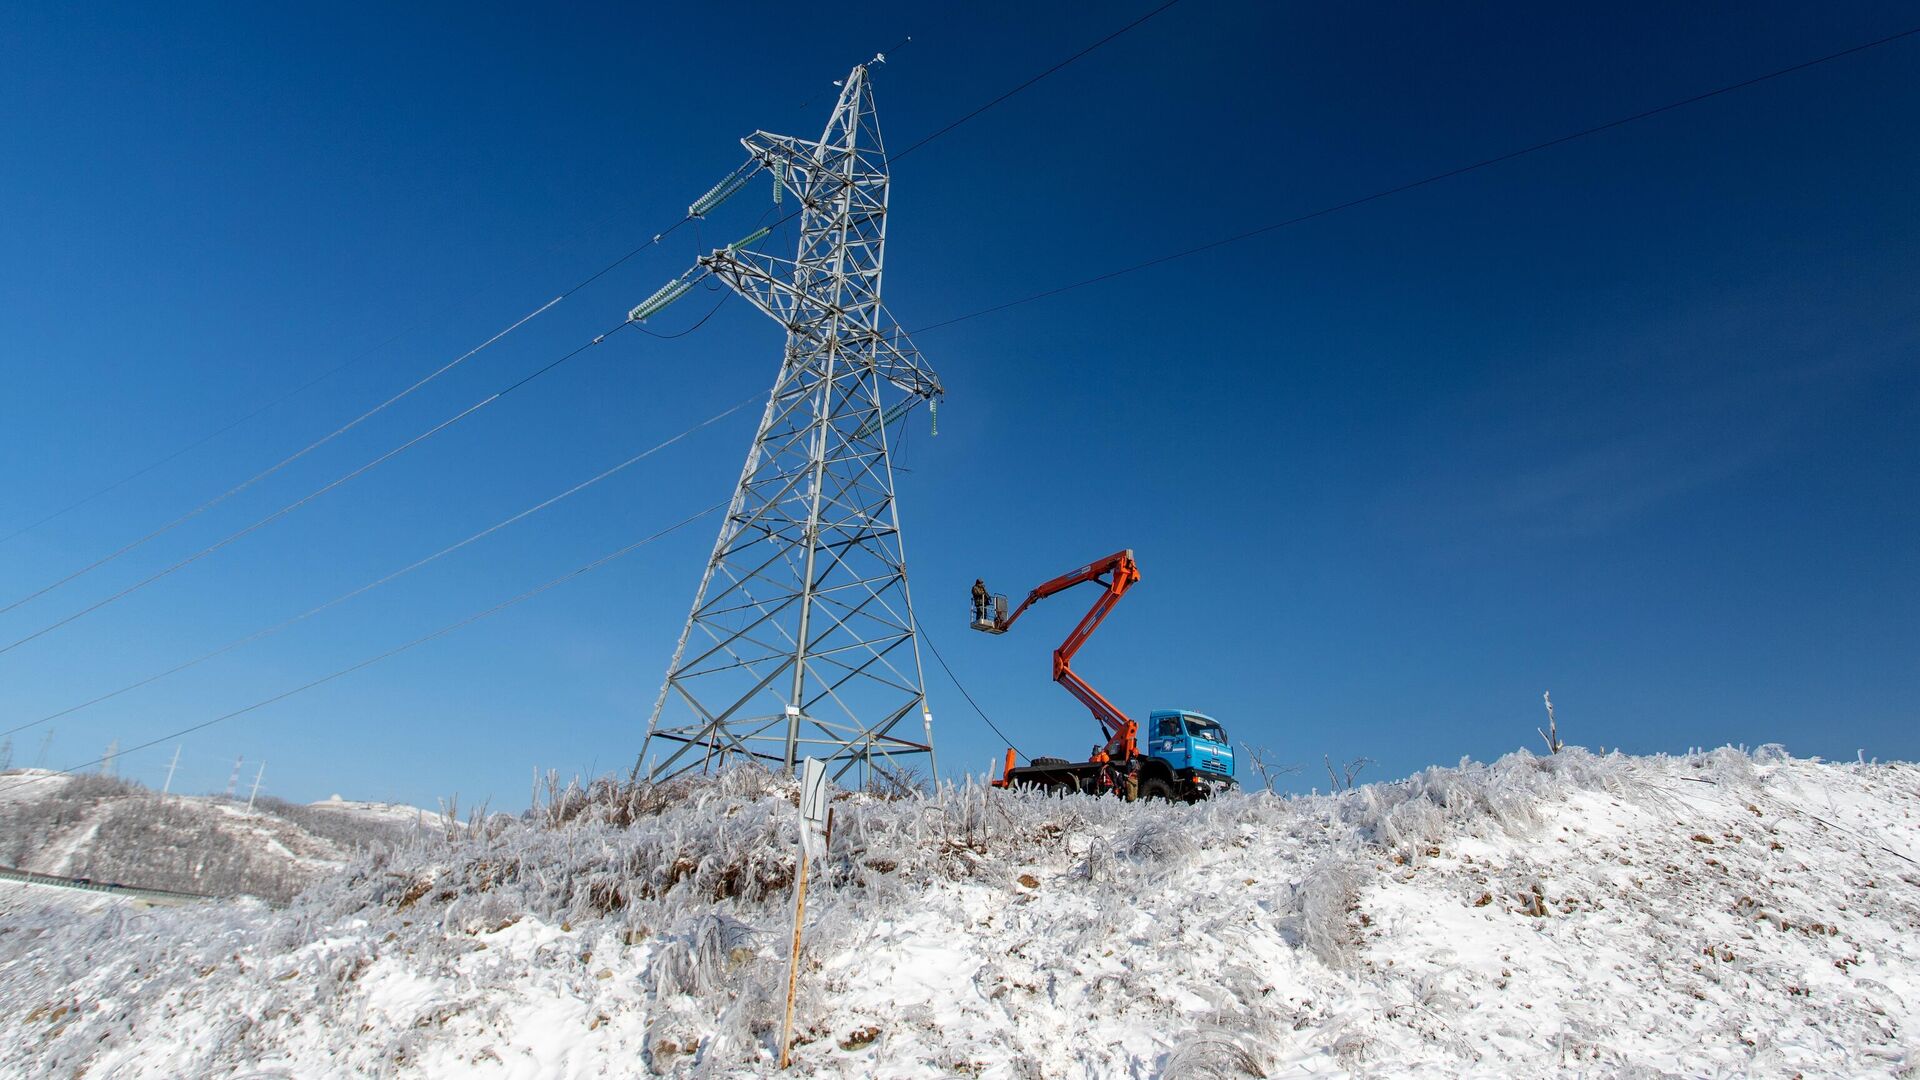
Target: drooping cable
[[1426, 180], [924, 140], [207, 438], [387, 578], [283, 462], [955, 679], [322, 441], [322, 377], [711, 312], [388, 654], [307, 498], [587, 281], [976, 111], [582, 283]]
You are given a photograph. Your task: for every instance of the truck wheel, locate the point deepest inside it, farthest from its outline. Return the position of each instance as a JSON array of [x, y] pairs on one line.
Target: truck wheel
[[1050, 761], [1156, 788]]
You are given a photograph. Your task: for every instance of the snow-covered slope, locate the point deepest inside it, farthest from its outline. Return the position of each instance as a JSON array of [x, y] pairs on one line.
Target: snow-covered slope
[[1712, 915], [113, 830]]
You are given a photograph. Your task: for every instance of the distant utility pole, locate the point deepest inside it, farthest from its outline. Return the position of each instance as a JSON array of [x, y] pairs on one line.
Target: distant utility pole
[[106, 759], [171, 765], [40, 761], [233, 778], [6, 754], [256, 786]]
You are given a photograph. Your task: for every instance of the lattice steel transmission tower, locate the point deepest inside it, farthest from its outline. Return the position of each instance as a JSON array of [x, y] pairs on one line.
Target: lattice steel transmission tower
[[802, 640]]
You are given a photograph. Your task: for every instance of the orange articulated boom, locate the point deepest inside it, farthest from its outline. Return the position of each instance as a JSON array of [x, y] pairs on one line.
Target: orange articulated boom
[[1117, 573]]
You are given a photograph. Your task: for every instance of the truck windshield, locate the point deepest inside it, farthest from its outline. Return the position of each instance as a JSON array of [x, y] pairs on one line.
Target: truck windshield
[[1206, 729]]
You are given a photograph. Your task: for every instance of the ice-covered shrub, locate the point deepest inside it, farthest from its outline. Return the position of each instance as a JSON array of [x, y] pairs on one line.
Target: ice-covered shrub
[[1725, 765], [1322, 905], [1223, 1047]]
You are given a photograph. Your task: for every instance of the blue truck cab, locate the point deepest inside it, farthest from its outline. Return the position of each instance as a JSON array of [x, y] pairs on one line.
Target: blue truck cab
[[1194, 746]]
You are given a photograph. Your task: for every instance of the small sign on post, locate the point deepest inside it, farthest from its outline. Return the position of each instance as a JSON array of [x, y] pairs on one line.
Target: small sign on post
[[813, 809], [816, 830]]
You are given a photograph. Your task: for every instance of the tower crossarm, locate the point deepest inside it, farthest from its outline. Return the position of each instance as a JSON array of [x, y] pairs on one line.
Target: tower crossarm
[[900, 362], [766, 282], [758, 278]]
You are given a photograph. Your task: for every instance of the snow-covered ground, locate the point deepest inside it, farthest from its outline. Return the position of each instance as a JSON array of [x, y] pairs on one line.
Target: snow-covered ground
[[1713, 915]]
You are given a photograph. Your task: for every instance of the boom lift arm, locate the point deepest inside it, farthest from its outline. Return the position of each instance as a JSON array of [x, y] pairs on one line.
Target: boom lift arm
[[1116, 573]]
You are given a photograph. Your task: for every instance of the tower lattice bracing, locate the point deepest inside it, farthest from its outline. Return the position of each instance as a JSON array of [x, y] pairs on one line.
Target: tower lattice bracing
[[802, 641]]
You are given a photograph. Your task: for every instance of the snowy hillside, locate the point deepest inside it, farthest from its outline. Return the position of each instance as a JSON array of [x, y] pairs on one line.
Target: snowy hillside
[[114, 830], [1712, 915]]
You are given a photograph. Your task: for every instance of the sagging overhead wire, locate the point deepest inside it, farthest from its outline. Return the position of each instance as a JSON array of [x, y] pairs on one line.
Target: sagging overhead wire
[[388, 654], [208, 437], [316, 444], [955, 680], [322, 377], [268, 631], [1432, 179], [310, 496], [924, 140], [655, 240], [283, 462], [734, 181], [711, 312]]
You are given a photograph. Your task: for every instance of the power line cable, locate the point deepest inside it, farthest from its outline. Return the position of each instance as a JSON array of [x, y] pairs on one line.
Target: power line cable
[[209, 436], [336, 369], [395, 651], [1433, 179], [318, 443], [937, 133], [711, 312], [1336, 208], [955, 679], [310, 496], [583, 283], [1076, 56], [283, 462], [376, 583], [576, 287]]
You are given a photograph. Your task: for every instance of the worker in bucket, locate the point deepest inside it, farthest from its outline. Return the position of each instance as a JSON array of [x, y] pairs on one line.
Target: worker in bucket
[[979, 600]]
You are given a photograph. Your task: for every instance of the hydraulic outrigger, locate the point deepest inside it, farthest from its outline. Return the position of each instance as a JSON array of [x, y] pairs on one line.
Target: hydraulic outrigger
[[1187, 757]]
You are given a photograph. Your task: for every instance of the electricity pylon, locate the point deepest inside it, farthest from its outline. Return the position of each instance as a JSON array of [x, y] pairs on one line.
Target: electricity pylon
[[802, 641]]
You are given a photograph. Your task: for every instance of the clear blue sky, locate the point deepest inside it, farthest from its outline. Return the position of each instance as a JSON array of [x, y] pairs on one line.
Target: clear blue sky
[[1636, 419]]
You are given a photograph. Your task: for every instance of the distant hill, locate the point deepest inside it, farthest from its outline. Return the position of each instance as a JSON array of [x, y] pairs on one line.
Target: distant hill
[[112, 830]]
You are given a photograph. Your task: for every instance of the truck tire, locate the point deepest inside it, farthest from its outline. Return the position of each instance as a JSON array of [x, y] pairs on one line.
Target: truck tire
[[1050, 761], [1155, 788]]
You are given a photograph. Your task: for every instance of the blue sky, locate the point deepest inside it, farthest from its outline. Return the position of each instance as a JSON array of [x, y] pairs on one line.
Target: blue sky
[[1633, 419]]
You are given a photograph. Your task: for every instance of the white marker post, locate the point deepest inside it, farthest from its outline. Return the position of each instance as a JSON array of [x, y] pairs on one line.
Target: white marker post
[[816, 829]]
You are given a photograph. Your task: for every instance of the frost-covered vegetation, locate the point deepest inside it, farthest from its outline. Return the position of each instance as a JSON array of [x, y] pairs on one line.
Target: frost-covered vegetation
[[1723, 913], [113, 830]]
